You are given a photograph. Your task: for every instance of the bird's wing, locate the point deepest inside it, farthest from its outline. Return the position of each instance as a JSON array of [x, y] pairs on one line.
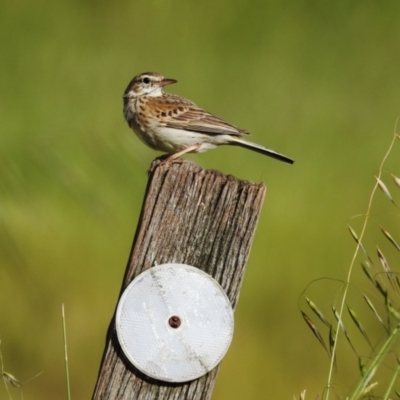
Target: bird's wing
[[180, 113]]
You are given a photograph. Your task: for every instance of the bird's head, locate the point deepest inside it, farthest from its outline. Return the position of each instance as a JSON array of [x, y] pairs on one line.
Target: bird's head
[[148, 83]]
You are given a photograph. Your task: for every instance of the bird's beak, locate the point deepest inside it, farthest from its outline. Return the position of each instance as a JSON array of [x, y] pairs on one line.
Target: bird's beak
[[167, 81]]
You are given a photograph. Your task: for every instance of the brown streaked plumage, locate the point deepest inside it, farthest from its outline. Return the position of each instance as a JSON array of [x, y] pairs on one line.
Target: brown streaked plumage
[[175, 125]]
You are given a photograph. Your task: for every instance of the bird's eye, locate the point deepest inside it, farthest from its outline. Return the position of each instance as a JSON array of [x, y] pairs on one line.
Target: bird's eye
[[146, 80]]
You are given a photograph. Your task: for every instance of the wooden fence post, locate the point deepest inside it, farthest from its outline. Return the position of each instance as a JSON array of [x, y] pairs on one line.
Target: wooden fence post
[[191, 216]]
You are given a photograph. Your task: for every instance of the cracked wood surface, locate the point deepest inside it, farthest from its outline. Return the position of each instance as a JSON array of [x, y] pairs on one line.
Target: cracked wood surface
[[190, 216]]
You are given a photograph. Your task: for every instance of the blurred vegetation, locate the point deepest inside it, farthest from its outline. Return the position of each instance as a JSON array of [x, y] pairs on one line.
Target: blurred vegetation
[[316, 81]]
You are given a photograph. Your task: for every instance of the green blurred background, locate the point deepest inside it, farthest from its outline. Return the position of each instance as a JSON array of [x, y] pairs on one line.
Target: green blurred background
[[317, 81]]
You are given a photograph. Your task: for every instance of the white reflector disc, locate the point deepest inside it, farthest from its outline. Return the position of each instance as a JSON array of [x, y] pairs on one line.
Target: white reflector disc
[[174, 322]]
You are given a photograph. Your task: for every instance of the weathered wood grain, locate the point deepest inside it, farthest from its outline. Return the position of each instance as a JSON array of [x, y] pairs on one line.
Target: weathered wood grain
[[192, 216]]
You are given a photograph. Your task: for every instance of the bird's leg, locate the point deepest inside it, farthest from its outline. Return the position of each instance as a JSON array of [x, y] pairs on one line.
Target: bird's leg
[[181, 153], [166, 158]]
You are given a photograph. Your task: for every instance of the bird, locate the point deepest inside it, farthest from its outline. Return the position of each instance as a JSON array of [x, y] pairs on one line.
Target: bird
[[175, 125]]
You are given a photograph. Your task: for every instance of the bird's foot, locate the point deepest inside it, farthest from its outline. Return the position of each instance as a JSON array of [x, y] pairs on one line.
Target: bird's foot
[[167, 158], [162, 160]]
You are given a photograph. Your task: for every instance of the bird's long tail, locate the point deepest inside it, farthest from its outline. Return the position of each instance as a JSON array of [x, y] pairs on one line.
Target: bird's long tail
[[260, 149]]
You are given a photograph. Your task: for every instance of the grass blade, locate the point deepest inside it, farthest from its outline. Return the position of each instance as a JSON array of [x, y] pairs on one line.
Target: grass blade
[[355, 237], [392, 310], [368, 388], [367, 272], [385, 190], [371, 306], [332, 335], [387, 234], [382, 291], [11, 379], [396, 180], [392, 381], [336, 314], [66, 353], [386, 268], [315, 330], [319, 313], [385, 349], [360, 327]]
